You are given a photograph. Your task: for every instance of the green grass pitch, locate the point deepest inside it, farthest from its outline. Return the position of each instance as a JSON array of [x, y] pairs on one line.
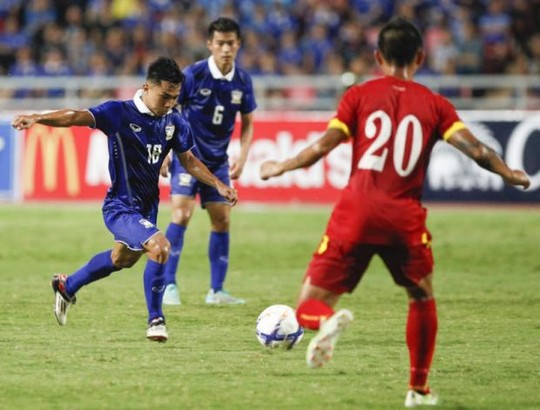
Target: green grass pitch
[[487, 278]]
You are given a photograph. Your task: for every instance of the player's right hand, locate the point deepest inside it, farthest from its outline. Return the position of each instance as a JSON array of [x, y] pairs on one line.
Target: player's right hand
[[518, 178], [228, 193], [270, 169], [22, 122]]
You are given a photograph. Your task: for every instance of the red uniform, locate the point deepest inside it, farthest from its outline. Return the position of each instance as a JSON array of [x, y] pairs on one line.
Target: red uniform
[[394, 125]]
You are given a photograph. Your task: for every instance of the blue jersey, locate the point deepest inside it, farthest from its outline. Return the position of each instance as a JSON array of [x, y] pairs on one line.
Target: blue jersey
[[210, 102], [138, 143]]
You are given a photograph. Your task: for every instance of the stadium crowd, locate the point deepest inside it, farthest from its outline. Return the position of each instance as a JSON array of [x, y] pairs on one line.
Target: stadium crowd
[[280, 37]]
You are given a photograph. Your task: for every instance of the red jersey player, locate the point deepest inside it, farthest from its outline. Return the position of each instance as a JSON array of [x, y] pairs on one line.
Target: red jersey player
[[393, 123]]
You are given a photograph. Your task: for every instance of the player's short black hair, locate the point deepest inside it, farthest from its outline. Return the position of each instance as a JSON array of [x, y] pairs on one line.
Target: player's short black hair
[[164, 69], [399, 41], [223, 25]]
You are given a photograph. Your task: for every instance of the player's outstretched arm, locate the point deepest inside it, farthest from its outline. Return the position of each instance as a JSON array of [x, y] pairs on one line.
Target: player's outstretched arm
[[487, 158], [305, 158], [60, 118], [196, 168]]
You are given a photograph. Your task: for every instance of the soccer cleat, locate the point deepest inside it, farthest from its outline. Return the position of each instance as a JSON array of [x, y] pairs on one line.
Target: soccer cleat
[[171, 295], [222, 297], [157, 331], [321, 348], [62, 301], [414, 399]]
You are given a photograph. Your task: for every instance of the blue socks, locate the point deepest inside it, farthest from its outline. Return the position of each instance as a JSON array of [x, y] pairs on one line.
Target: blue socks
[[100, 266], [218, 253], [175, 235], [154, 286]]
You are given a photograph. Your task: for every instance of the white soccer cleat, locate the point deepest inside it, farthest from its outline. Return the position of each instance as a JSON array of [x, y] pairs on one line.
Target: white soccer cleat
[[157, 331], [62, 301], [171, 296], [321, 348], [222, 297], [414, 399]]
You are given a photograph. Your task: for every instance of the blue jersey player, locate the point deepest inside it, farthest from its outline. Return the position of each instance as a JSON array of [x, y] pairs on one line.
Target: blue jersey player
[[141, 132], [214, 92]]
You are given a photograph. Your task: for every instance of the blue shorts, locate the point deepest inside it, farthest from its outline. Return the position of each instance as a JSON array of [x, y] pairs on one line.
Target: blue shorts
[[182, 183], [127, 225]]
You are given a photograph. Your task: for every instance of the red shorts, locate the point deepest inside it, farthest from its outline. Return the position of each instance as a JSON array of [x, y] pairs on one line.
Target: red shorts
[[338, 265]]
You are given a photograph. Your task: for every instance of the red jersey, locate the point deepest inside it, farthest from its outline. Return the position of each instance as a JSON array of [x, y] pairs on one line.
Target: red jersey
[[394, 125]]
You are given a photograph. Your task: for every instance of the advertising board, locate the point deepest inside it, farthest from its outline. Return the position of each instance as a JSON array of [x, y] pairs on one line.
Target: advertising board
[[71, 163]]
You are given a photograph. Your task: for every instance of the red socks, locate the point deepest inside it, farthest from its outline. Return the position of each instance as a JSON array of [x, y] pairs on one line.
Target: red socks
[[421, 334], [310, 312]]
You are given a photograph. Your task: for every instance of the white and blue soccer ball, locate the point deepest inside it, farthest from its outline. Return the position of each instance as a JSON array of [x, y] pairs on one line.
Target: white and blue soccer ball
[[277, 327]]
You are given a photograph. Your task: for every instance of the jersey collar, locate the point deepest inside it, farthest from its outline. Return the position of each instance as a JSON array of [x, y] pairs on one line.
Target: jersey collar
[[214, 70], [141, 106]]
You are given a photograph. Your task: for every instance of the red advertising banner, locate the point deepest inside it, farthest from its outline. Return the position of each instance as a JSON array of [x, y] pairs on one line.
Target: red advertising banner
[[278, 137], [71, 163]]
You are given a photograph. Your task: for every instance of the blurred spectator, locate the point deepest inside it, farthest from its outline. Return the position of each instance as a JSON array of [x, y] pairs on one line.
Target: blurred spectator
[[11, 39], [115, 47], [316, 48], [24, 66], [351, 41], [495, 26], [280, 37], [54, 65], [8, 7], [444, 54], [288, 51], [533, 46], [279, 20], [524, 22], [98, 68], [469, 50], [37, 13]]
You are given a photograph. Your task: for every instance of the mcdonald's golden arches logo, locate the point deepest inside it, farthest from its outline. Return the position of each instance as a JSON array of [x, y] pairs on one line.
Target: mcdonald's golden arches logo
[[50, 140]]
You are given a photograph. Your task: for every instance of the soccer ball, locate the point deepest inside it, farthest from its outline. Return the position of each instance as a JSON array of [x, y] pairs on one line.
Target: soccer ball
[[277, 327]]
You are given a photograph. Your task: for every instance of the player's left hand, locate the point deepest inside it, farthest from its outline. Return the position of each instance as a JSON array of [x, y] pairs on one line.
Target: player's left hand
[[236, 169], [518, 178]]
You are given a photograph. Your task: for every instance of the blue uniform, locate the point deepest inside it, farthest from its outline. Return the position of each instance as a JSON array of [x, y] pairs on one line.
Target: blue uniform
[[210, 102], [138, 143]]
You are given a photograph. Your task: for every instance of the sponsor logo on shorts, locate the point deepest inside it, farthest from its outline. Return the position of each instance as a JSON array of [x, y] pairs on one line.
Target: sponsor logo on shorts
[[146, 223], [206, 91], [184, 180]]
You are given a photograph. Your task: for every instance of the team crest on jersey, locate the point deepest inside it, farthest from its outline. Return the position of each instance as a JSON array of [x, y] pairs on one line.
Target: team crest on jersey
[[146, 223], [236, 97], [169, 132], [206, 91]]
